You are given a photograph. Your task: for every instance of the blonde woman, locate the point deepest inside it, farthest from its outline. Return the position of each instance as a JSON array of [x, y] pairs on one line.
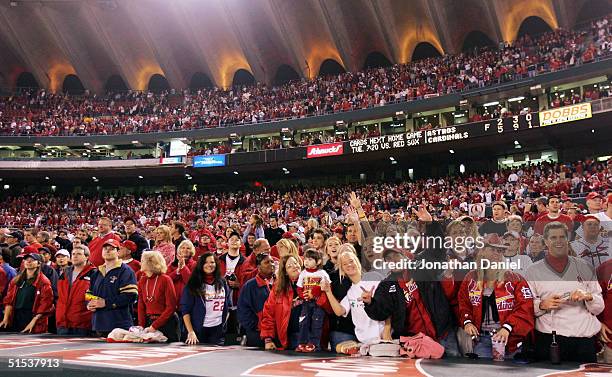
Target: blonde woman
[[286, 247], [163, 243], [332, 248], [180, 270], [365, 330], [495, 304], [156, 298]]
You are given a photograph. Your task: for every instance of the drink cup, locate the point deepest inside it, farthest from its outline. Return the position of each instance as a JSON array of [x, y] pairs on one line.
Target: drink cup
[[499, 350]]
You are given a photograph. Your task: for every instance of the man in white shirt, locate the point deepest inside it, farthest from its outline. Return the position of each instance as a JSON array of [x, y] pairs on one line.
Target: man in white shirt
[[605, 217], [567, 299], [592, 247]]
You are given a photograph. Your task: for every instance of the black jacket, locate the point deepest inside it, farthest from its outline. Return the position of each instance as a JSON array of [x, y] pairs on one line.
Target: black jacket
[[388, 301], [141, 244]]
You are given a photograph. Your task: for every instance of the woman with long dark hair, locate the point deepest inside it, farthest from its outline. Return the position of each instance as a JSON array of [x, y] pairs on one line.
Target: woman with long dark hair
[[280, 322], [29, 300], [205, 302]]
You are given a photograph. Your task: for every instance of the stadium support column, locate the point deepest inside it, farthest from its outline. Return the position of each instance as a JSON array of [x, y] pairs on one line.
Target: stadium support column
[[437, 15]]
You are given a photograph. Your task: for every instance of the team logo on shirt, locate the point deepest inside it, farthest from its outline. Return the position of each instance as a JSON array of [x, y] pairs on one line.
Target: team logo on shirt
[[410, 288], [113, 279], [506, 302], [474, 294], [610, 283], [526, 292]]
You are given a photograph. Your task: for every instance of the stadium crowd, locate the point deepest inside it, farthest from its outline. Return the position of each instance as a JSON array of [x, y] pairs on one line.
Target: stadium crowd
[[43, 113], [299, 269]]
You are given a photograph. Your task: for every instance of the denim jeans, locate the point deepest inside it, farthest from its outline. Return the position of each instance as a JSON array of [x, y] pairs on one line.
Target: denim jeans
[[449, 342], [337, 337], [483, 348], [73, 331], [311, 323]]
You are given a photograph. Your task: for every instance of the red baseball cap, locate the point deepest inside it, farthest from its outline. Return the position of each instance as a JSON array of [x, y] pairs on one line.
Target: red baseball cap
[[592, 195], [130, 245], [591, 217], [289, 235], [113, 242], [30, 249]]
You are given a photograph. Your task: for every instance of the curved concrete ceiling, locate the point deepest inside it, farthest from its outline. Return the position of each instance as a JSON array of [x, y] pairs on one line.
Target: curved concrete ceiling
[[178, 38]]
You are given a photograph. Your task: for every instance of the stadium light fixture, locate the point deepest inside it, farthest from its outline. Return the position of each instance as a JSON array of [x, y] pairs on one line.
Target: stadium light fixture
[[47, 178], [287, 171], [494, 103], [190, 177], [592, 131], [461, 168], [94, 178], [516, 142], [6, 187], [393, 162], [235, 172], [134, 141], [392, 158], [284, 169], [140, 177], [514, 99], [86, 144], [53, 188], [451, 151]]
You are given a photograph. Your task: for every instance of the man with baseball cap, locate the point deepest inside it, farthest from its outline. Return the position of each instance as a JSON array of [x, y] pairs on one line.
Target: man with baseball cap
[[13, 248], [594, 202], [113, 291], [592, 247], [511, 254], [605, 216], [126, 251], [62, 260]]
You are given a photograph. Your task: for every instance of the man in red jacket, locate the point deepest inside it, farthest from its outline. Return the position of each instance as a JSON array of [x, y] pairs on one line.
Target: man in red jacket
[[72, 316], [249, 268], [105, 233]]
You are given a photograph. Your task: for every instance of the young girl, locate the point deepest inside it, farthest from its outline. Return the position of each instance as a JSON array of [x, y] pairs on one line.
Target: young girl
[[205, 303], [309, 288]]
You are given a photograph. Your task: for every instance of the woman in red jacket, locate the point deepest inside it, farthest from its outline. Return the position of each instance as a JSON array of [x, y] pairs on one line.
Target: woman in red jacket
[[281, 313], [29, 300], [156, 298], [495, 305], [180, 270]]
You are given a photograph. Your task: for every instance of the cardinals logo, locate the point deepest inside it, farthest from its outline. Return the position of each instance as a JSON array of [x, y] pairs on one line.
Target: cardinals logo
[[475, 294], [610, 283], [410, 287], [506, 302]]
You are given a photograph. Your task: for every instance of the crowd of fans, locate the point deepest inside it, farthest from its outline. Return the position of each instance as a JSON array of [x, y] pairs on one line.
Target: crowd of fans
[[300, 269], [445, 196], [45, 114]]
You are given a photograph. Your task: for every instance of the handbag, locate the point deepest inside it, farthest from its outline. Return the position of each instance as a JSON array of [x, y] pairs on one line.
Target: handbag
[[420, 346]]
